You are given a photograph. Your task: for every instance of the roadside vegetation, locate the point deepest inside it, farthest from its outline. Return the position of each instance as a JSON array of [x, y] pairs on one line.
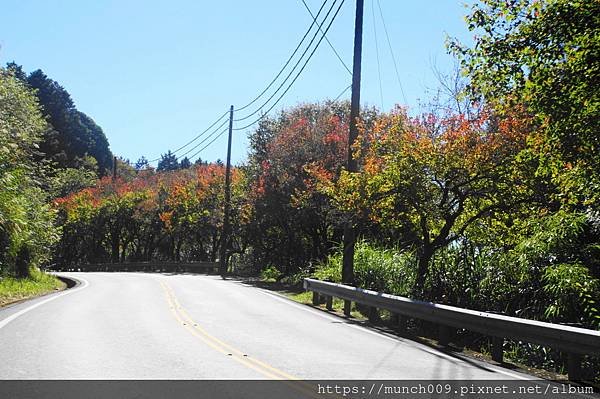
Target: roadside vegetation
[[47, 149], [38, 283], [488, 200]]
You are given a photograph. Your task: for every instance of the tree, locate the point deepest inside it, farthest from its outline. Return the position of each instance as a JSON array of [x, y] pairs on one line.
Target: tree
[[27, 230], [433, 178], [543, 55], [141, 164], [167, 162], [185, 163], [72, 135], [173, 216], [293, 224], [124, 169], [70, 180], [16, 71], [93, 141]]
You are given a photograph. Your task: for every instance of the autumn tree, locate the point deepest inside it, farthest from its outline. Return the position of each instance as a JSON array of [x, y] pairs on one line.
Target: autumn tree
[[433, 178], [174, 215], [293, 223], [543, 55]]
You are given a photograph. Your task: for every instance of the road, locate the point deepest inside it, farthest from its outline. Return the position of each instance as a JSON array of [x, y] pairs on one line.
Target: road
[[155, 326]]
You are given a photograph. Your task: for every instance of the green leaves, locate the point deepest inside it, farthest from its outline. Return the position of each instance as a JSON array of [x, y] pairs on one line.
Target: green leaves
[[543, 55], [573, 294], [26, 220]]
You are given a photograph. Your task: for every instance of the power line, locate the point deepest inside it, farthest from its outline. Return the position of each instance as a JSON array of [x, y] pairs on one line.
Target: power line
[[342, 93], [259, 96], [327, 39], [294, 68], [287, 62], [206, 138], [299, 73], [209, 143], [377, 52], [391, 52], [192, 140]]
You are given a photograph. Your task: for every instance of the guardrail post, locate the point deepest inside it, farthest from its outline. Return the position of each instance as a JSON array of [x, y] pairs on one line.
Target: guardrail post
[[498, 349], [329, 303], [373, 314], [444, 335], [402, 323], [315, 299], [398, 322], [347, 307], [574, 366]]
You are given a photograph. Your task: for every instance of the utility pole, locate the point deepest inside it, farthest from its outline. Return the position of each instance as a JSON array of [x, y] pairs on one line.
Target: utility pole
[[349, 231], [227, 207], [114, 168]]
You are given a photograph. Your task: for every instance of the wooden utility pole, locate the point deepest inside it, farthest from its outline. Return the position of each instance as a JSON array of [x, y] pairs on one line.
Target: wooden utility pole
[[349, 232], [227, 207], [114, 175]]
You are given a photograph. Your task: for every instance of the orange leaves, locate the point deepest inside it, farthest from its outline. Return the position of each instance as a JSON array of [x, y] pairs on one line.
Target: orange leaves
[[412, 167], [180, 190], [166, 218], [336, 132], [308, 144]]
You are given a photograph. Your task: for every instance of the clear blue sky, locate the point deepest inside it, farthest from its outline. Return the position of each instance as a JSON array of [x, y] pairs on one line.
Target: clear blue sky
[[154, 73]]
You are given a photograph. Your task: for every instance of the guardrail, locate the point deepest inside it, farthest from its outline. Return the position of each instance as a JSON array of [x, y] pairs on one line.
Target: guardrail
[[167, 267], [572, 340]]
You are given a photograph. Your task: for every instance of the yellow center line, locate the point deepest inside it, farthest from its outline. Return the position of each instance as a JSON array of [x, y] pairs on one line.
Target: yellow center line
[[184, 318], [206, 338], [217, 341]]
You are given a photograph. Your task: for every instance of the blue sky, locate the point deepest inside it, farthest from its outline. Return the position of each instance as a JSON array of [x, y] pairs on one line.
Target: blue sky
[[153, 74]]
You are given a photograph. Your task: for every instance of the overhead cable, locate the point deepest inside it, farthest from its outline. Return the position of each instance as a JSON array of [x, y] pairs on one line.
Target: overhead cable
[[192, 140], [287, 62], [298, 74], [293, 68], [326, 38], [391, 52]]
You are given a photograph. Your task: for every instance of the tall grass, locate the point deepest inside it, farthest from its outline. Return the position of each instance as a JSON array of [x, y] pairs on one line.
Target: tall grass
[[375, 268]]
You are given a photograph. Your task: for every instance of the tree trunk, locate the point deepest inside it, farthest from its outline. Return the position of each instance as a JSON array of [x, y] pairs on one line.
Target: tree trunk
[[22, 262], [114, 247], [178, 250], [422, 270]]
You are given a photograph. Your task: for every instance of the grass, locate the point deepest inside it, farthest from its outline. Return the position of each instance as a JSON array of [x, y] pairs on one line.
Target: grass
[[337, 304], [39, 283]]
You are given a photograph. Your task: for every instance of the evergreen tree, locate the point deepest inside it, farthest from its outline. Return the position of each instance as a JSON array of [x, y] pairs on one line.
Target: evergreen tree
[[167, 162], [185, 163], [141, 164], [72, 134]]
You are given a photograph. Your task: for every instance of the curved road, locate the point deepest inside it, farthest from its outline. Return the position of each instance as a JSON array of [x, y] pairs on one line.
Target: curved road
[[158, 326]]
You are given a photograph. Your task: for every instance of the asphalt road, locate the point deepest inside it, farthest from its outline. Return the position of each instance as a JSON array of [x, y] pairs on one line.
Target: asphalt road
[[155, 326]]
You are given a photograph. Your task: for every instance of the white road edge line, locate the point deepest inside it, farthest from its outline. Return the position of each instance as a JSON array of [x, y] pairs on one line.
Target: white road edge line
[[13, 316], [385, 336]]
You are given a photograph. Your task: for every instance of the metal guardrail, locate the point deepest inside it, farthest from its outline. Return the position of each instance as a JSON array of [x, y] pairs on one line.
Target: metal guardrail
[[169, 267], [572, 340]]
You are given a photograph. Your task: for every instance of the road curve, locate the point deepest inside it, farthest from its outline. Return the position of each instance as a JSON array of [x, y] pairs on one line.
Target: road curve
[[158, 326]]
